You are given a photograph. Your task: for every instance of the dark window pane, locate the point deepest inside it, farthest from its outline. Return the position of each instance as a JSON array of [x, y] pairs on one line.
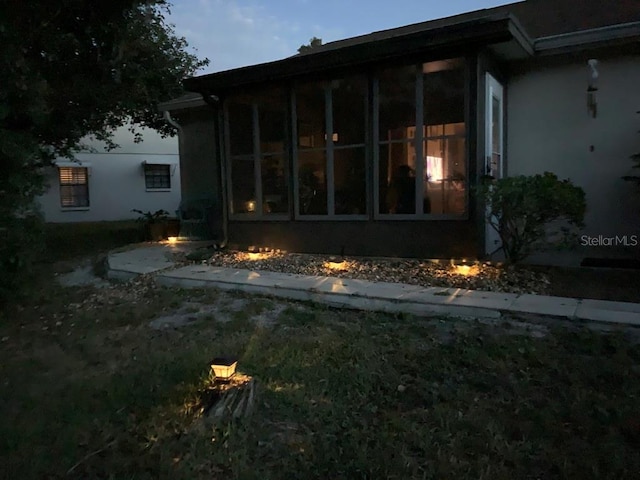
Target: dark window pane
[[443, 93], [349, 107], [275, 193], [397, 182], [272, 116], [396, 102], [157, 176], [243, 186], [312, 182], [350, 181], [240, 117], [310, 109]]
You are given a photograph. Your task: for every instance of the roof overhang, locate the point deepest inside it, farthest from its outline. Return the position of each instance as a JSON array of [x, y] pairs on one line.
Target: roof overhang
[[613, 35], [189, 100], [503, 32]]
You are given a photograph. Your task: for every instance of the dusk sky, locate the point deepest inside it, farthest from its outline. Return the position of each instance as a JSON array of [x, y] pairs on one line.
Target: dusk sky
[[236, 33]]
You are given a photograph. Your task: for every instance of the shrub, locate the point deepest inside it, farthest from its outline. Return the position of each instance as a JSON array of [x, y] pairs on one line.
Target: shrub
[[522, 208]]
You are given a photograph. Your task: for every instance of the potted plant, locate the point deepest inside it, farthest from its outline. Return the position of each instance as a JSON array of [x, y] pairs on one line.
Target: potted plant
[[155, 224]]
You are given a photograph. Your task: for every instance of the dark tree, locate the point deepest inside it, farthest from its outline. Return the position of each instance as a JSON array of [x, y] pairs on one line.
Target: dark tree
[[313, 43], [68, 69]]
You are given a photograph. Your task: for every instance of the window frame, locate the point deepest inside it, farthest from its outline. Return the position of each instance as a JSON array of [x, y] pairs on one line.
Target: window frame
[[418, 140], [256, 156], [85, 184], [330, 148], [149, 165]]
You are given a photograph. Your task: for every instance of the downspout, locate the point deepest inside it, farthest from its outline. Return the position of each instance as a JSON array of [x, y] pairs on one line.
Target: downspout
[[214, 102], [171, 121]]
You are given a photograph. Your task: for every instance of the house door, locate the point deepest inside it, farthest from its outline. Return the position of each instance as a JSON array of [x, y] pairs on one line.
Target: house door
[[494, 144]]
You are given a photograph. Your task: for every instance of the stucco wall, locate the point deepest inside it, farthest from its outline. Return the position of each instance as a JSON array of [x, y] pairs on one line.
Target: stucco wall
[[549, 128], [117, 182]]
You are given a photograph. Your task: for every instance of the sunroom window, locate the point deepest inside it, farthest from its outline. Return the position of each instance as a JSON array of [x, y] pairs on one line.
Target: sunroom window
[[258, 154], [421, 115], [331, 155]]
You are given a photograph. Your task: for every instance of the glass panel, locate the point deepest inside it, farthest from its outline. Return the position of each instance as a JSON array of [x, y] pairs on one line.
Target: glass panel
[[443, 92], [275, 194], [446, 183], [350, 181], [157, 176], [243, 186], [310, 108], [349, 107], [495, 124], [396, 102], [397, 187], [272, 115], [312, 182], [240, 115]]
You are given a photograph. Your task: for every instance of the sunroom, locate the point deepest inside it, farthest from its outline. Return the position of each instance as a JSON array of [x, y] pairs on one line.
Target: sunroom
[[368, 146]]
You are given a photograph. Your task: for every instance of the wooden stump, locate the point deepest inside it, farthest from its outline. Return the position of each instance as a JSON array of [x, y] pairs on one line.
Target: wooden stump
[[232, 400]]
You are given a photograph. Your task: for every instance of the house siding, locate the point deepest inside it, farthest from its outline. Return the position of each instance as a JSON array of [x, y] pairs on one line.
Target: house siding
[[421, 239], [550, 129], [116, 180]]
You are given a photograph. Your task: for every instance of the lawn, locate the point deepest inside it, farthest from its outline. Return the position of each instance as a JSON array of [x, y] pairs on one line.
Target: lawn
[[90, 390]]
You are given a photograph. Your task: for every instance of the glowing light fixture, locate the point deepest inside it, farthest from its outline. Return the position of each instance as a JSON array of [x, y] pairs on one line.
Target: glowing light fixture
[[464, 268], [250, 206], [224, 368], [172, 240], [334, 264]]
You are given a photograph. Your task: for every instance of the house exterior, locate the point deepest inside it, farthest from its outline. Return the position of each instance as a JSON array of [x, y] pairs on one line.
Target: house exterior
[[373, 145], [103, 185]]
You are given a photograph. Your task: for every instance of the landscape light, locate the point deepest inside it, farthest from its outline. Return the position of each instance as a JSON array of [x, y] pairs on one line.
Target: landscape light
[[224, 368], [464, 268]]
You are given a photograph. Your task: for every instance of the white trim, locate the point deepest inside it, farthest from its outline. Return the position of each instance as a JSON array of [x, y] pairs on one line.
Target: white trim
[[493, 89], [75, 209]]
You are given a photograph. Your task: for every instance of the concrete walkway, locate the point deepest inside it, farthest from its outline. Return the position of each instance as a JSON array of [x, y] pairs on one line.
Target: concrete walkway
[[361, 294]]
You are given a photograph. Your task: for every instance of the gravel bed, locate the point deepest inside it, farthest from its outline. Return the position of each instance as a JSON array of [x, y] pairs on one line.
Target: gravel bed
[[427, 273]]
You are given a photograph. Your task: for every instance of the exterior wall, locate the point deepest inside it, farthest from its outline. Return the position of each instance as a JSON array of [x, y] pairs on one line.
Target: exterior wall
[[200, 166], [117, 181], [198, 156], [420, 239], [549, 129]]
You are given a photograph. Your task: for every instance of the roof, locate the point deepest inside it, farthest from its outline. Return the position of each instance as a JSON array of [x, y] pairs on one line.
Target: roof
[[539, 18], [514, 29]]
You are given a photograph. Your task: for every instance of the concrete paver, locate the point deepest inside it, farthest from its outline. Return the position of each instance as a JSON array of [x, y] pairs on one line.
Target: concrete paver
[[362, 294]]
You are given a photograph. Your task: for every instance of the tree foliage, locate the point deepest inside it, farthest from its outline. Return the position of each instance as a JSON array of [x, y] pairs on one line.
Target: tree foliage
[[315, 42], [521, 209], [69, 69]]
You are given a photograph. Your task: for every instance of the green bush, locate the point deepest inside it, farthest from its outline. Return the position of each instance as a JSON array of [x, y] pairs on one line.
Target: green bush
[[522, 208]]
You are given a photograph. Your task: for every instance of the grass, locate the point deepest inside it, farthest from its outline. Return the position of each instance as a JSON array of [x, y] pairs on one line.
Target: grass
[[90, 391]]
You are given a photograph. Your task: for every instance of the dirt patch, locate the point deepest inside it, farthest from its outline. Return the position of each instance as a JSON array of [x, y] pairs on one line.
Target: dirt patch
[[223, 311], [81, 276]]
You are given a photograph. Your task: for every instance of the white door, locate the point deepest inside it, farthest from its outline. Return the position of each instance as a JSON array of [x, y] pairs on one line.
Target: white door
[[494, 131]]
